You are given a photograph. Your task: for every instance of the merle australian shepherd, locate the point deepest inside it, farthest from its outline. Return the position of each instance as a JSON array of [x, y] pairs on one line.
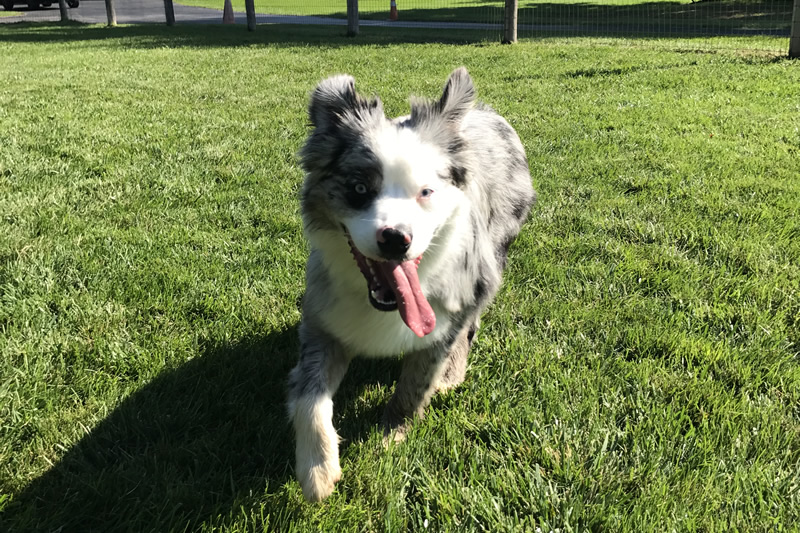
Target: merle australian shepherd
[[409, 221]]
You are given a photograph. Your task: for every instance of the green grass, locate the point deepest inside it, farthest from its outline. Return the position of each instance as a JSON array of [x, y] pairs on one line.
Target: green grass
[[638, 372], [10, 13], [616, 16]]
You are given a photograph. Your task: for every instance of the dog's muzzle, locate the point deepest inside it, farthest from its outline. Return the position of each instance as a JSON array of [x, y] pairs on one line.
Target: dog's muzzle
[[394, 285]]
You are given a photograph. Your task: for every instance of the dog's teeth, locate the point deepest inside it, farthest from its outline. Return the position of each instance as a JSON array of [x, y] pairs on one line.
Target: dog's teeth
[[376, 296]]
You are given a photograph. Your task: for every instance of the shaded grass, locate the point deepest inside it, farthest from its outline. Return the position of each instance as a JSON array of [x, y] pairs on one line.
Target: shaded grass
[[639, 370]]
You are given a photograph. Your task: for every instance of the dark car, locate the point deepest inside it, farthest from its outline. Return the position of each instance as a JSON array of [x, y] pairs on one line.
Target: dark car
[[8, 5]]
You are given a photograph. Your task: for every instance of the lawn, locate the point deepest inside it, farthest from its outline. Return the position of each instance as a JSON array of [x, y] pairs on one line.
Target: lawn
[[638, 372], [603, 16]]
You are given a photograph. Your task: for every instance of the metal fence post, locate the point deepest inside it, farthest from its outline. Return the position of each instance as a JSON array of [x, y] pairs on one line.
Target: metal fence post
[[62, 6], [794, 40], [250, 8], [169, 11], [510, 22], [352, 18], [111, 13]]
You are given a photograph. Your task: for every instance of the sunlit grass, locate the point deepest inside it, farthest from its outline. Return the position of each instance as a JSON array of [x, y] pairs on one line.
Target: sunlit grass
[[638, 371]]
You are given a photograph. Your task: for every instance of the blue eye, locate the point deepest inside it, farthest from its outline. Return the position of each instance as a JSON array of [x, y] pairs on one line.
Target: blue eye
[[425, 193], [360, 188]]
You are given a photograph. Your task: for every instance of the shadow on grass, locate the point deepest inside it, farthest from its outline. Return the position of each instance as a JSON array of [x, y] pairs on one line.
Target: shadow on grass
[[198, 36], [195, 444]]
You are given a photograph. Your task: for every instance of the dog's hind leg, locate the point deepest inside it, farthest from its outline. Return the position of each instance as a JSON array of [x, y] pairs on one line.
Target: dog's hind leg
[[312, 384], [456, 363], [423, 373], [417, 383]]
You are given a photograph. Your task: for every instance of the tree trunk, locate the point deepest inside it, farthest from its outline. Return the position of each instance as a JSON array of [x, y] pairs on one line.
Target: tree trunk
[[111, 13], [62, 6], [169, 11]]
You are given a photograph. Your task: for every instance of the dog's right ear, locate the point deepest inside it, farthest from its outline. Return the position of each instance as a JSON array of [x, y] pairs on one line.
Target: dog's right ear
[[334, 98], [331, 98]]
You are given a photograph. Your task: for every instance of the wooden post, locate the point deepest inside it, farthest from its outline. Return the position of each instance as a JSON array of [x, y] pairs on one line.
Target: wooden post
[[227, 13], [169, 11], [111, 13], [62, 6], [510, 22], [352, 18], [794, 40], [250, 7]]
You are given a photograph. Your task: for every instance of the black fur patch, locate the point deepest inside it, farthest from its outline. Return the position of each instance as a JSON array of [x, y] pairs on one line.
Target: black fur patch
[[520, 207], [335, 156], [358, 200], [303, 380], [439, 105], [471, 333], [353, 167], [480, 289], [502, 250], [456, 146], [504, 131], [458, 175]]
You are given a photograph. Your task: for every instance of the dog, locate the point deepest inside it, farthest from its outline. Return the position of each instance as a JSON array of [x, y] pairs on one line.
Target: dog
[[409, 222]]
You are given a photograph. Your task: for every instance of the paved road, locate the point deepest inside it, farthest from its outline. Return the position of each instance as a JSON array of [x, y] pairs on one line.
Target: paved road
[[128, 12]]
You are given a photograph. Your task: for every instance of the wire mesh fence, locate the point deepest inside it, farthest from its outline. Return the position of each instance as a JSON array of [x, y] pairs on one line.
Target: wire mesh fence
[[484, 20], [673, 19]]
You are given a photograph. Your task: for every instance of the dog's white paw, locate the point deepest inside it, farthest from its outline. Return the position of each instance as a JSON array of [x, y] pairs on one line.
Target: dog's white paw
[[319, 480], [444, 386]]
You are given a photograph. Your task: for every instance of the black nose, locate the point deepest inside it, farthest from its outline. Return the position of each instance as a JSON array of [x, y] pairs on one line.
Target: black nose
[[394, 243]]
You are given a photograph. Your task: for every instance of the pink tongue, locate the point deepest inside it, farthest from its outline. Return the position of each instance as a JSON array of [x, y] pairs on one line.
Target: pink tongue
[[414, 309]]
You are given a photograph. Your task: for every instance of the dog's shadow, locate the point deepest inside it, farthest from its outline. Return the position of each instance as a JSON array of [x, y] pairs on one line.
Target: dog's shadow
[[195, 443]]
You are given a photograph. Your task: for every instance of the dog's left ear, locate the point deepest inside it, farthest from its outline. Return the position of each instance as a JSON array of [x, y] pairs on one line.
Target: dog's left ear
[[457, 98]]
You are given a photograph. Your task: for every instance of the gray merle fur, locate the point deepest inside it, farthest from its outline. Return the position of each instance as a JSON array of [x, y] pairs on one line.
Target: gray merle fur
[[344, 179]]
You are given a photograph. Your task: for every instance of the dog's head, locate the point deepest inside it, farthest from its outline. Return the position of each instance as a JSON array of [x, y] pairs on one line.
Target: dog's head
[[389, 185]]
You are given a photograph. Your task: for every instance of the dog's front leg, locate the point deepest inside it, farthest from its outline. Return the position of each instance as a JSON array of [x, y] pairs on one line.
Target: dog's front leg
[[312, 384]]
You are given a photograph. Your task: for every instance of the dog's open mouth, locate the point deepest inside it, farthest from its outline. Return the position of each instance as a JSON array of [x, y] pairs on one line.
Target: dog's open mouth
[[395, 285]]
